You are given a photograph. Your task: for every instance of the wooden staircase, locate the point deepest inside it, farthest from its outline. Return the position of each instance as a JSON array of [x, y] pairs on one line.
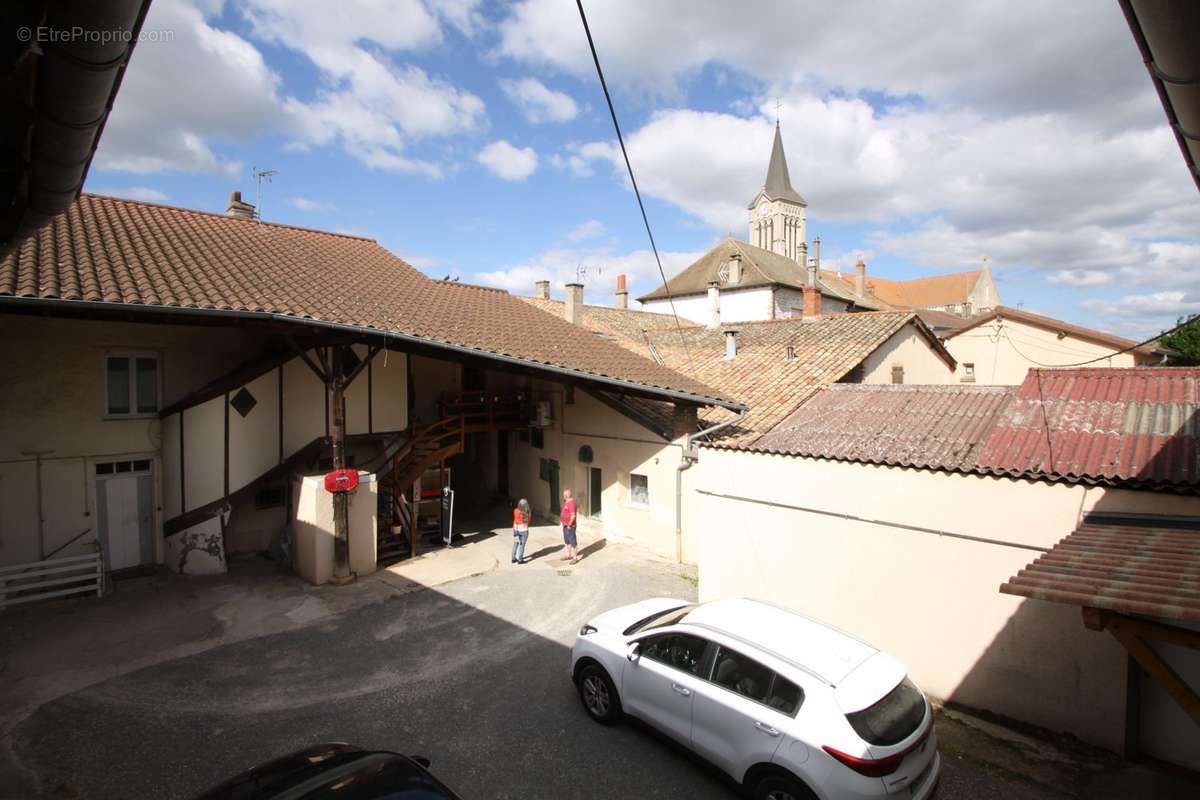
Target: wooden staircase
[[429, 445]]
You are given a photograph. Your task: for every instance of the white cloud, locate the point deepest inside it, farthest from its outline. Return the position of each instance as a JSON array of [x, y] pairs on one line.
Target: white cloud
[[1145, 306], [1080, 277], [177, 97], [1011, 55], [207, 86], [602, 265], [310, 205], [143, 193], [508, 162], [539, 103], [587, 230]]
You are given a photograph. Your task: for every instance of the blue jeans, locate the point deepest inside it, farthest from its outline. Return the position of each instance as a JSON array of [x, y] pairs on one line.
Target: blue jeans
[[519, 539]]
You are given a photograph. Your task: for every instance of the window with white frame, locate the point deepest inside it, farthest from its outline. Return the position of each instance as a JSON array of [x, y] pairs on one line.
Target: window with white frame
[[131, 384], [639, 489]]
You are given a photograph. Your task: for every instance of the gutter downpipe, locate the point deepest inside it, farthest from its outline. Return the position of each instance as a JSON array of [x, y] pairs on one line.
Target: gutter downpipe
[[690, 457]]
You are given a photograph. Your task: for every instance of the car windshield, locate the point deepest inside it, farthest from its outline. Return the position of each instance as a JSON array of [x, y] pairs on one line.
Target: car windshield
[[660, 619], [893, 719]]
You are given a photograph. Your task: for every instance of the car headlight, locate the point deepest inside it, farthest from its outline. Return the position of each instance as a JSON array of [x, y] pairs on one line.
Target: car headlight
[[586, 629]]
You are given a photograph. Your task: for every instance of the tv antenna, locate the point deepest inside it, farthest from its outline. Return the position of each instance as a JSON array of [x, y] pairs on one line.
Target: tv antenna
[[261, 175], [581, 272]]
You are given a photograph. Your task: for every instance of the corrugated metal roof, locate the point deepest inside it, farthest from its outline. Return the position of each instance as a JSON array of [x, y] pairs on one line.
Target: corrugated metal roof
[[1131, 426], [1151, 571], [939, 427]]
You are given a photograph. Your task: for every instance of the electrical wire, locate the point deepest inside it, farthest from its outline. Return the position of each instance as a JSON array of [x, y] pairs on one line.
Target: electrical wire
[[1135, 346], [621, 140]]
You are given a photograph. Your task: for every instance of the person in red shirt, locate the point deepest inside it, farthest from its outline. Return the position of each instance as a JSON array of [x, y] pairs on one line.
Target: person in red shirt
[[568, 517]]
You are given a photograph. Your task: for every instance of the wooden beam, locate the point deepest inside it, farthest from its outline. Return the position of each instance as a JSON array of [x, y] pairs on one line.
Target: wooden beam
[[303, 354], [1159, 669], [372, 350]]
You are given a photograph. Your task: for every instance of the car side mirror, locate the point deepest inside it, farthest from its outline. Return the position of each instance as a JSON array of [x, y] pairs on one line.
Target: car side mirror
[[635, 650]]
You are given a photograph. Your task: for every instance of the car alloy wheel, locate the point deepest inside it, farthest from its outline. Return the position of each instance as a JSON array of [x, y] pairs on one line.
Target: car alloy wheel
[[595, 695], [598, 694], [781, 787]]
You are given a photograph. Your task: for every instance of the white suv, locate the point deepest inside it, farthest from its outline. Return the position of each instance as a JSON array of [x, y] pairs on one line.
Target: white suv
[[788, 706]]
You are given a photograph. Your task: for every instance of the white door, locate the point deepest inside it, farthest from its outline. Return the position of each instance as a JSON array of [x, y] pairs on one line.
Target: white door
[[125, 510]]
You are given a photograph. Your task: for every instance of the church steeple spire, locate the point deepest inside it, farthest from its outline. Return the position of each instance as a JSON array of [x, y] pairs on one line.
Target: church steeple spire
[[778, 185], [777, 212]]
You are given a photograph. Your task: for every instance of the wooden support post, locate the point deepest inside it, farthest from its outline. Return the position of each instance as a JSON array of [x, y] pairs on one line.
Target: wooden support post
[[1130, 632], [341, 500]]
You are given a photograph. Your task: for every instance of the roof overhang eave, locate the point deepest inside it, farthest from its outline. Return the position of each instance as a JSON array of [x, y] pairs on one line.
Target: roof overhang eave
[[463, 350]]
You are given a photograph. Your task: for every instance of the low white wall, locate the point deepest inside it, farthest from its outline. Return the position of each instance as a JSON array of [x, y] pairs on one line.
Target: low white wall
[[312, 528], [930, 600]]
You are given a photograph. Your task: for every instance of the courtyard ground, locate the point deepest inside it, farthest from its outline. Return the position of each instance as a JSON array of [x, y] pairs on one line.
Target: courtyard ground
[[170, 685]]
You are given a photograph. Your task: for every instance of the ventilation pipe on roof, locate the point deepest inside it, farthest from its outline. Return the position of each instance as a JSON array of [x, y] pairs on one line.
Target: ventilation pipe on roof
[[860, 278], [730, 344], [574, 304], [622, 292], [542, 289], [714, 305]]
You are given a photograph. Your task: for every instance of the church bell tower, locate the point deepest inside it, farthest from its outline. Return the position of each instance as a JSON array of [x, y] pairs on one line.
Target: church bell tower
[[777, 213]]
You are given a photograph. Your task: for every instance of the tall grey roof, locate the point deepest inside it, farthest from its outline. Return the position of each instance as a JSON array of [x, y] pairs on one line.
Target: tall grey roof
[[778, 185]]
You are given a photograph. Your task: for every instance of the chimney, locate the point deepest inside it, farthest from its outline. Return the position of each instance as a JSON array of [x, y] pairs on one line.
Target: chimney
[[542, 289], [730, 343], [238, 207], [622, 293], [735, 269], [574, 303], [860, 278], [812, 301], [817, 251], [714, 305]]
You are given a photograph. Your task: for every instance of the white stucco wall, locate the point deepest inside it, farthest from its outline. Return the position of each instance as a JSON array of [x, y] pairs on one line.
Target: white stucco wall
[[620, 447], [313, 534], [1004, 350], [909, 349], [54, 401], [737, 305], [930, 600]]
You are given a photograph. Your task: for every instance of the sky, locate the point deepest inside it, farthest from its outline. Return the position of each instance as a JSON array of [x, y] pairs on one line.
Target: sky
[[472, 138]]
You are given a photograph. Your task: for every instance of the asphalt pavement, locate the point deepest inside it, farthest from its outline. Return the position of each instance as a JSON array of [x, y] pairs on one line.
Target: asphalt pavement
[[472, 674]]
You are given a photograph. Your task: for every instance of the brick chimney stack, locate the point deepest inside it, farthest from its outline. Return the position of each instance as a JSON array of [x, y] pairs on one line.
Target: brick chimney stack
[[812, 294], [860, 278], [574, 304], [542, 289], [714, 305], [622, 292], [238, 207]]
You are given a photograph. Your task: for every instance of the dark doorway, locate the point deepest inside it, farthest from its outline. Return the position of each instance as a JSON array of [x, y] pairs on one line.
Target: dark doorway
[[595, 484], [555, 496], [472, 379], [502, 462]]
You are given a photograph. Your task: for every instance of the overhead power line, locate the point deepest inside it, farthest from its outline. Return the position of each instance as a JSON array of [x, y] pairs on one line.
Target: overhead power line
[[621, 140]]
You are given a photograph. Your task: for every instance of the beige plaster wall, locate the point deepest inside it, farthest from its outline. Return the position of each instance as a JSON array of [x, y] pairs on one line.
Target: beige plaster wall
[[54, 401], [620, 447], [313, 533], [907, 348], [1004, 350], [932, 601]]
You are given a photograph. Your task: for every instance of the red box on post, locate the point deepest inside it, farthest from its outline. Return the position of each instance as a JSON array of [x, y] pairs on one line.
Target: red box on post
[[341, 480]]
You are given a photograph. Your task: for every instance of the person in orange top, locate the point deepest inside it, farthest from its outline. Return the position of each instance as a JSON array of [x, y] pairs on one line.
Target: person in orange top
[[521, 518]]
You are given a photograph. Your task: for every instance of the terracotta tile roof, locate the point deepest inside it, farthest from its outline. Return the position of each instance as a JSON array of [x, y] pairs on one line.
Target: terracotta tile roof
[[943, 322], [939, 427], [935, 290], [765, 268], [1149, 569], [1055, 325], [1135, 426], [628, 323], [119, 251], [762, 376]]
